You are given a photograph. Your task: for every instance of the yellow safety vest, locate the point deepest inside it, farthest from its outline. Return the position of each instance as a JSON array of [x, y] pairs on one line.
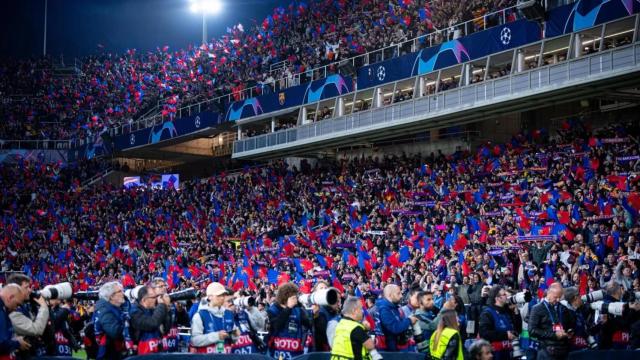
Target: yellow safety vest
[[342, 348], [437, 350]]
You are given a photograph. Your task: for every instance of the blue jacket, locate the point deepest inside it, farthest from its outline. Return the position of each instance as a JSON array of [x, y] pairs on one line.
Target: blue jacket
[[7, 342], [109, 326], [391, 324]]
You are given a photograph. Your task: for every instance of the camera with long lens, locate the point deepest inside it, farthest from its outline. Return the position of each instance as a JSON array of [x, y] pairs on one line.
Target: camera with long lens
[[612, 308], [324, 297], [522, 297], [517, 350], [86, 295], [186, 294], [132, 294], [422, 343], [593, 296], [244, 302], [60, 291]]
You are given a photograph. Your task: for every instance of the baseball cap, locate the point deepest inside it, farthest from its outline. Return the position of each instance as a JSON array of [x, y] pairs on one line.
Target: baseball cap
[[215, 288]]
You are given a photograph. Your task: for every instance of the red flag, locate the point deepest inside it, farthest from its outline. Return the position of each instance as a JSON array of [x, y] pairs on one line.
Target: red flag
[[430, 253], [460, 244], [386, 275], [306, 265], [394, 260], [338, 285]]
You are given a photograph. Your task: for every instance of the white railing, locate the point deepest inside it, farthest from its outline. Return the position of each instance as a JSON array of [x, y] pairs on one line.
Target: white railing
[[558, 75], [37, 144]]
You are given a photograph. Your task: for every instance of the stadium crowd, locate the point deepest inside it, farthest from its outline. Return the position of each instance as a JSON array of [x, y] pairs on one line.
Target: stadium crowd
[[114, 89], [453, 232]]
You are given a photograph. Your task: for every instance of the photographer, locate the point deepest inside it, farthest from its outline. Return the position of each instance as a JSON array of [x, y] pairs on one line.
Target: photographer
[[110, 322], [248, 341], [65, 343], [288, 324], [578, 323], [213, 325], [496, 323], [147, 316], [616, 329], [11, 296], [391, 326], [170, 324], [31, 318], [547, 323], [351, 340], [480, 350], [322, 316]]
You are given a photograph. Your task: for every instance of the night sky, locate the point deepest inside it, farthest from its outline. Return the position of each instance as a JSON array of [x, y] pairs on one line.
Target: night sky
[[76, 27]]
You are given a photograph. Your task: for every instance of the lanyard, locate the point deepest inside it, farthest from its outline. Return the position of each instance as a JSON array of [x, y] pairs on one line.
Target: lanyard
[[551, 314]]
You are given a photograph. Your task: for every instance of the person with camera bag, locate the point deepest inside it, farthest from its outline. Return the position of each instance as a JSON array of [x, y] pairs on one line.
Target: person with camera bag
[[213, 325], [148, 314], [351, 340], [615, 329], [289, 324], [392, 328], [496, 323], [11, 296], [578, 324], [170, 333], [446, 343], [547, 323], [31, 319], [323, 314], [248, 341], [65, 343], [110, 322]]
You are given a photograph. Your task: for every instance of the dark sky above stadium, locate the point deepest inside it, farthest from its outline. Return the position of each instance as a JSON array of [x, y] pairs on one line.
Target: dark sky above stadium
[[76, 27]]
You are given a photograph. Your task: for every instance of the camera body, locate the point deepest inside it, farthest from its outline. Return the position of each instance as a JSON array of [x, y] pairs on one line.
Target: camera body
[[517, 350]]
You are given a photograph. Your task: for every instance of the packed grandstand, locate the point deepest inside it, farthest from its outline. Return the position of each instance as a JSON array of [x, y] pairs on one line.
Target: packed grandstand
[[552, 202]]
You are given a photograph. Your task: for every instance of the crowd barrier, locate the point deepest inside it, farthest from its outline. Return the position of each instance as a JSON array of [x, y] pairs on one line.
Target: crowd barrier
[[385, 356]]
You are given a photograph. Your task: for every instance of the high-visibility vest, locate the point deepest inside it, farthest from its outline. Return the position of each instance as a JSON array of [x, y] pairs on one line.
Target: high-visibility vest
[[438, 350], [342, 348]]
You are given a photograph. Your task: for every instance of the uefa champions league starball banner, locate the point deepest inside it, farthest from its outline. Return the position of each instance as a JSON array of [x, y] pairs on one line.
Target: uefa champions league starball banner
[[474, 46], [584, 14]]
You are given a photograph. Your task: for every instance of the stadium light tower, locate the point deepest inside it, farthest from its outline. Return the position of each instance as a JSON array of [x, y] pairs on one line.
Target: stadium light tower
[[205, 7]]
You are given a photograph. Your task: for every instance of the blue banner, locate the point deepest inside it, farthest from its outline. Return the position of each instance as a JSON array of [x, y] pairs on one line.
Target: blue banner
[[585, 14], [329, 87], [474, 46], [168, 130]]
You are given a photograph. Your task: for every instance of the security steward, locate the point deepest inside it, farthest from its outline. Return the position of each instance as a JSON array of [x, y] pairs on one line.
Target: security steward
[[351, 341]]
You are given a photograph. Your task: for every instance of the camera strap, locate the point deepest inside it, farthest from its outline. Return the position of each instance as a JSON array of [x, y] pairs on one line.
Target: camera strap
[[553, 318]]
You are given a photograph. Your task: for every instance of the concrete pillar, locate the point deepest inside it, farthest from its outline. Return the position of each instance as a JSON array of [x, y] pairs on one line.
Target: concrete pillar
[[378, 98], [577, 45], [303, 114], [339, 107], [239, 132], [273, 124], [468, 74], [421, 87], [520, 66]]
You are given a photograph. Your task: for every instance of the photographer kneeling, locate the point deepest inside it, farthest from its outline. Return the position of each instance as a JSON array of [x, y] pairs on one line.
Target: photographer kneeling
[[147, 316]]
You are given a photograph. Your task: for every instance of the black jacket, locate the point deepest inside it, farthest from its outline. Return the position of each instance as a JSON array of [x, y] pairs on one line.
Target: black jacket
[[488, 328], [142, 322], [541, 325]]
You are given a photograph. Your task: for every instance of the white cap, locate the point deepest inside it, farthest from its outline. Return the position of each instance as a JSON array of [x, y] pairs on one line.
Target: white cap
[[215, 288]]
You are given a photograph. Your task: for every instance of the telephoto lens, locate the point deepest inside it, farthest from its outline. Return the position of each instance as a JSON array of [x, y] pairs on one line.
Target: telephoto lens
[[186, 294], [245, 301]]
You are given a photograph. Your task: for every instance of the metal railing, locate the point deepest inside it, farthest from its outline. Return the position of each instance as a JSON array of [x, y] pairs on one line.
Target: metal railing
[[573, 70], [37, 144], [372, 57]]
